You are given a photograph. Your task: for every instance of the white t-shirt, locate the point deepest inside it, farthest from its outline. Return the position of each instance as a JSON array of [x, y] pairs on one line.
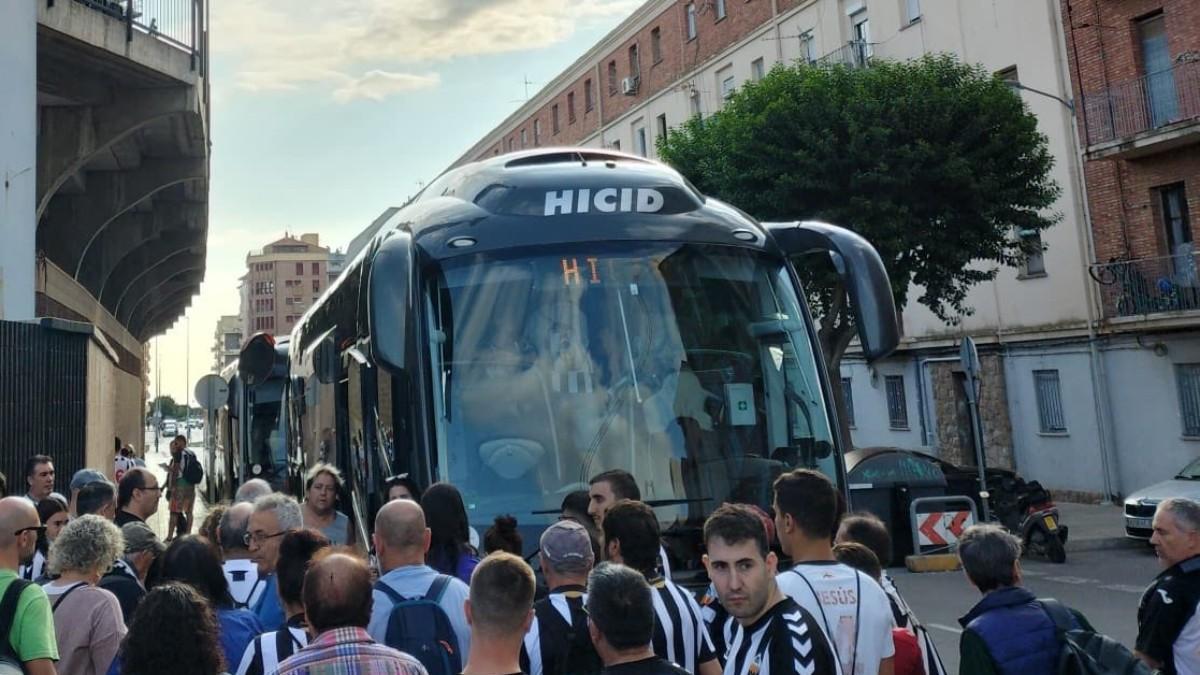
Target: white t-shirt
[[852, 609]]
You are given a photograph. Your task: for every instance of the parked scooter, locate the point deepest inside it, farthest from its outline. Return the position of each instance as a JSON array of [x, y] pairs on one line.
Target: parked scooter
[[1028, 511]]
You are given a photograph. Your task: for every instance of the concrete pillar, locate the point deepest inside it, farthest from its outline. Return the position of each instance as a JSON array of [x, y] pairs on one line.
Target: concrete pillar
[[18, 158]]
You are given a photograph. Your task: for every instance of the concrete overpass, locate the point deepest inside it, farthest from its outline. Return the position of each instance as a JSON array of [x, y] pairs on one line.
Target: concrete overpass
[[105, 215]]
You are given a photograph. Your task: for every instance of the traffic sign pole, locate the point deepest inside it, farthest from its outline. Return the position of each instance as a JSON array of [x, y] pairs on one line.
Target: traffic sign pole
[[969, 356]]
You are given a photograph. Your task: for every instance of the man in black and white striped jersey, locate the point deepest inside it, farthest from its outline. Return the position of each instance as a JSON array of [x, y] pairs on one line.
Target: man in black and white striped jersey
[[264, 654], [558, 640], [631, 537], [774, 634], [245, 585]]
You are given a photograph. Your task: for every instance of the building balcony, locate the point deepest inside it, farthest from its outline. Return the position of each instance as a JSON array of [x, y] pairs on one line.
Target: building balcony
[[853, 54], [1162, 287], [1147, 115]]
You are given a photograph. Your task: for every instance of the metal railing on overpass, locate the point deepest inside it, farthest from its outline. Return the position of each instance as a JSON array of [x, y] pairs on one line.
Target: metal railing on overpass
[[1149, 285], [179, 23], [1146, 103]]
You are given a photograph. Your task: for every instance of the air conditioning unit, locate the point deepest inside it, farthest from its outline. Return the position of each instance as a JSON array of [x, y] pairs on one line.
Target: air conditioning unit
[[629, 85]]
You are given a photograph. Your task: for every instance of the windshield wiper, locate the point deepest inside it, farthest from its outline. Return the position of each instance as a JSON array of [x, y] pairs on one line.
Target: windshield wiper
[[1183, 477]]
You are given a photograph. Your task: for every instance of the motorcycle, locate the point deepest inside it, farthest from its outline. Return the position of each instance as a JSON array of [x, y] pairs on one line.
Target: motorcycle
[[1028, 511]]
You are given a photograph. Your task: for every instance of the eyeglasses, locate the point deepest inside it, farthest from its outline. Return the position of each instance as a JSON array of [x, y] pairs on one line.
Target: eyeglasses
[[260, 538], [40, 529], [156, 487]]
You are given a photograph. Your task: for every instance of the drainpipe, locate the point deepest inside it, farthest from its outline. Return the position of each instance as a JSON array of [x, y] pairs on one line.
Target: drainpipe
[[1101, 401]]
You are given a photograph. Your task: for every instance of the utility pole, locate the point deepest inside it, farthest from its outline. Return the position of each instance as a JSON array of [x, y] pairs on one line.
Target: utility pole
[[187, 384], [157, 393]]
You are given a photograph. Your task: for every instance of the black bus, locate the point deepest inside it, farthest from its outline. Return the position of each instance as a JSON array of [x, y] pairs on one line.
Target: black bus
[[534, 319], [250, 434]]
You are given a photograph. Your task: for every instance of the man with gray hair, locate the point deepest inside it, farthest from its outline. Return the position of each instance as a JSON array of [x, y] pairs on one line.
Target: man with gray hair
[[251, 490], [1009, 630], [127, 578], [558, 641], [274, 515], [245, 584], [1168, 627]]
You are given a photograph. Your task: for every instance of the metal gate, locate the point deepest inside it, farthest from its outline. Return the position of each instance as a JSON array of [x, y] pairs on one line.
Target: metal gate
[[43, 398]]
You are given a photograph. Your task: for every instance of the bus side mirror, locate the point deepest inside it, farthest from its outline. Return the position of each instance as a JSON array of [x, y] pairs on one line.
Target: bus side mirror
[[391, 306], [257, 359], [861, 270]]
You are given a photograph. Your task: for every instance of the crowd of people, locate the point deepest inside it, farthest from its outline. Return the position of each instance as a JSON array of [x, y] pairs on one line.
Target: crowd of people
[[273, 585]]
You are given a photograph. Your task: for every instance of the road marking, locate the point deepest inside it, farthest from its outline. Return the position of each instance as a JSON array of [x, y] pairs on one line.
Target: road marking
[[1031, 573], [1078, 581], [1124, 588], [948, 629]]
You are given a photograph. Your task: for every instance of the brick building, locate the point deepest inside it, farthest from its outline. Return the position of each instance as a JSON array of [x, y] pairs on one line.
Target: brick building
[[1135, 68], [1057, 404], [282, 280]]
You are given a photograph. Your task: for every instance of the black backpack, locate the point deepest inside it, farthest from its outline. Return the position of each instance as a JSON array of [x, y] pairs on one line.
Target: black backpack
[[192, 471], [419, 627], [10, 663], [1086, 652]]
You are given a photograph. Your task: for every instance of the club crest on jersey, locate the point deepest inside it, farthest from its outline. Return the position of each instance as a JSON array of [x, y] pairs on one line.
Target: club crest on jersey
[[604, 200]]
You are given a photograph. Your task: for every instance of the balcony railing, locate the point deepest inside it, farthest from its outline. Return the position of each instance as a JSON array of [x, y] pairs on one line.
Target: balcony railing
[[855, 54], [1149, 102], [176, 22], [1149, 285]]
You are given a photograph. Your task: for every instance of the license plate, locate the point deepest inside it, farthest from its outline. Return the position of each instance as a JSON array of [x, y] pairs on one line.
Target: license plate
[[1139, 523], [1051, 524]]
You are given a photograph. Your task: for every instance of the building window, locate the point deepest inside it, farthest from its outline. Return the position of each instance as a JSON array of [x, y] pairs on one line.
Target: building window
[[694, 106], [554, 127], [808, 47], [316, 285], [1175, 221], [316, 269], [691, 21], [720, 7], [537, 133], [1048, 392], [1035, 261], [1187, 376], [511, 141], [656, 44], [639, 141], [912, 11], [1157, 68], [299, 269], [635, 62], [570, 107], [726, 82], [523, 139], [756, 69], [589, 101], [861, 35], [612, 78], [616, 145], [848, 399], [897, 403], [661, 121]]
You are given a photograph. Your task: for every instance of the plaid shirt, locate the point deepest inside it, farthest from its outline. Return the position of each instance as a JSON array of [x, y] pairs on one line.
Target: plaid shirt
[[349, 651]]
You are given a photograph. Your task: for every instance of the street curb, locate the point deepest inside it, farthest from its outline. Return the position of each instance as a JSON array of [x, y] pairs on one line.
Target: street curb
[[1104, 544]]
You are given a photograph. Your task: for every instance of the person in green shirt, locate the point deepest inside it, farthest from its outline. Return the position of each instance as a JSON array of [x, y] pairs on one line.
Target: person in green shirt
[[31, 639], [1008, 631]]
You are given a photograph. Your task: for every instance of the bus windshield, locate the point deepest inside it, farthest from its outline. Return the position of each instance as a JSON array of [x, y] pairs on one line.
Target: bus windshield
[[688, 365]]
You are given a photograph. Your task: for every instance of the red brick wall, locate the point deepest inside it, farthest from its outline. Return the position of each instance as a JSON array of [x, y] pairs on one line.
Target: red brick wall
[[679, 55], [1103, 52]]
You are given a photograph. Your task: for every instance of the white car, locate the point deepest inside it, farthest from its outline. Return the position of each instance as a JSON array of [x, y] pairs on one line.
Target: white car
[[1140, 506], [170, 428]]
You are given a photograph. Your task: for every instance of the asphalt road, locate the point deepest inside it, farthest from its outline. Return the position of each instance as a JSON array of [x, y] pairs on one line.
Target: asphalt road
[[1104, 585]]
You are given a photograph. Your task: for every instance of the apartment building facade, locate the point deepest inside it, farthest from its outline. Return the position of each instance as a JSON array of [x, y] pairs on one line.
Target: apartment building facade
[[1135, 66], [227, 341], [282, 281], [1048, 398]]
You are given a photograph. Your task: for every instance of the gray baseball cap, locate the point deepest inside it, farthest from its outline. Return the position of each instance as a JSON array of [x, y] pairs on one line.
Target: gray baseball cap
[[139, 537], [567, 546], [84, 476]]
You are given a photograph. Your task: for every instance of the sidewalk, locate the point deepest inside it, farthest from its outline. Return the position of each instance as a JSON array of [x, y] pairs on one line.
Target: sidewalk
[[156, 462], [1095, 527]]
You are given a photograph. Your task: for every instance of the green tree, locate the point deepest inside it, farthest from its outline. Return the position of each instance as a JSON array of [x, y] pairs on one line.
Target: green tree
[[935, 162], [170, 409]]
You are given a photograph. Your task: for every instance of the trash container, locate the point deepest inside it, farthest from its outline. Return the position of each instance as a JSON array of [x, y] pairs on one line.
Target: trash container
[[884, 481]]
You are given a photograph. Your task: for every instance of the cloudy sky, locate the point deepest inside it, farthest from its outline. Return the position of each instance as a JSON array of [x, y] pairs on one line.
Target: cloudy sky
[[325, 112]]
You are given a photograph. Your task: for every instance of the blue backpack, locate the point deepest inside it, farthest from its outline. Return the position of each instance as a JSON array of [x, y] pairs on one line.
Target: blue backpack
[[419, 627]]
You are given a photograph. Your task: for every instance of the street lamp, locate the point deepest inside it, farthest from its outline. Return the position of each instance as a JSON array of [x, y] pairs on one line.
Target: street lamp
[[1095, 364]]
